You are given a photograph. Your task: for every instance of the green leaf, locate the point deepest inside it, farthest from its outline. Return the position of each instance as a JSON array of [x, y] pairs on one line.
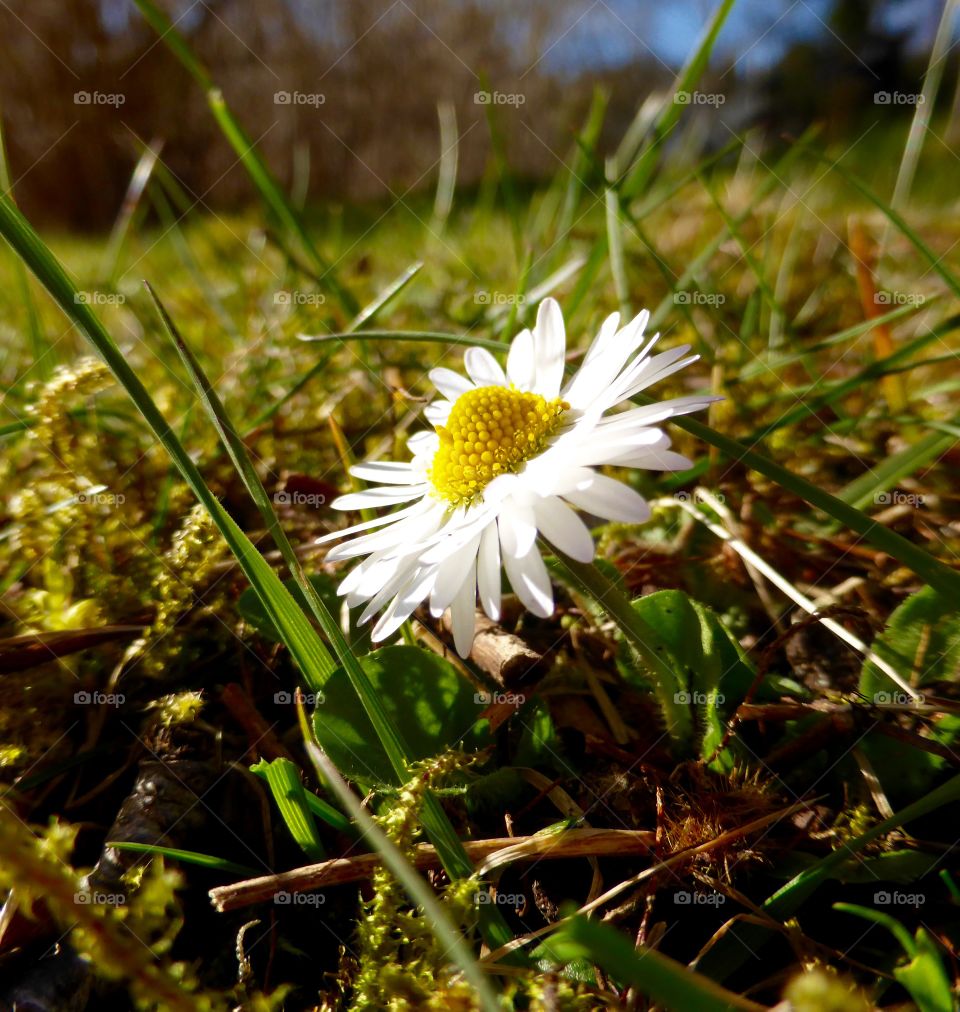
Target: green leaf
[[712, 671], [669, 983], [921, 636], [283, 779], [606, 596], [922, 641], [924, 976], [419, 691]]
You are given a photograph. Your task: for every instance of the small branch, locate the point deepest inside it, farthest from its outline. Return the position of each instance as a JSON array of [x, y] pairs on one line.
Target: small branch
[[572, 843]]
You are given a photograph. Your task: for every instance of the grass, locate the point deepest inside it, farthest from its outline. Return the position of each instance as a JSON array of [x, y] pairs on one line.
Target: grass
[[155, 650]]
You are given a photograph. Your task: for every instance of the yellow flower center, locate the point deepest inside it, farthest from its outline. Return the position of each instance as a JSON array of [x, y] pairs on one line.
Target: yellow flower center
[[490, 431]]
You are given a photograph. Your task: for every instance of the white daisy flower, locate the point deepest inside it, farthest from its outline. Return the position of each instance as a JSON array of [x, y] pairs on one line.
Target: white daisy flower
[[513, 454]]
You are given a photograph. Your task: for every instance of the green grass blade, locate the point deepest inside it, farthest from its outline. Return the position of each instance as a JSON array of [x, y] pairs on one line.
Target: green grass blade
[[188, 857], [246, 151], [417, 888], [320, 808], [669, 983], [128, 211], [731, 953], [430, 336], [388, 297], [302, 640], [283, 779], [862, 491], [930, 569], [871, 372], [935, 262], [590, 581], [763, 365], [639, 175], [615, 249]]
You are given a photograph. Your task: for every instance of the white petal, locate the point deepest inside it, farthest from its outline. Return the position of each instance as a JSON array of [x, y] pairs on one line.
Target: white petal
[[549, 348], [518, 528], [389, 518], [551, 474], [424, 441], [521, 368], [403, 605], [610, 499], [380, 496], [450, 576], [648, 372], [602, 341], [598, 373], [411, 531], [483, 368], [600, 445], [406, 574], [463, 612], [390, 472], [564, 529], [438, 412], [367, 577], [462, 525], [655, 460], [488, 572], [650, 414], [451, 384], [530, 581]]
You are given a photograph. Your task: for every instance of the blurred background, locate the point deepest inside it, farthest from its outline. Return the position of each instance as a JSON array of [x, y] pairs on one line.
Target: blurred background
[[354, 100]]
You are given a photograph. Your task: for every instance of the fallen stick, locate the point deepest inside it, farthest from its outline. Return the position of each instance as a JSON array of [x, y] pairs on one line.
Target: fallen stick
[[340, 870]]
